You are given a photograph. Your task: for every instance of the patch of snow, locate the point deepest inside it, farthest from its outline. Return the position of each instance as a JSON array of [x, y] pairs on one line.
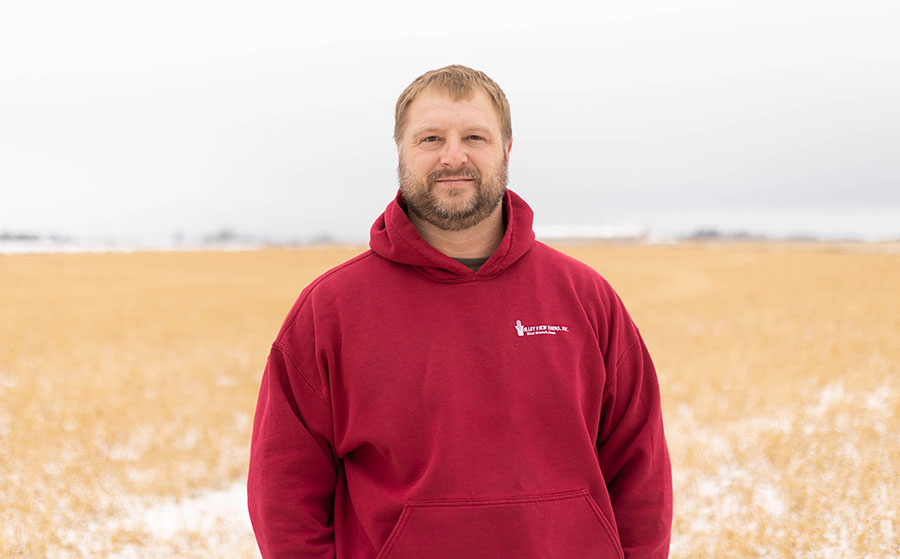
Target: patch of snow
[[217, 520], [138, 443], [207, 512], [877, 400], [828, 397], [7, 381], [771, 499]]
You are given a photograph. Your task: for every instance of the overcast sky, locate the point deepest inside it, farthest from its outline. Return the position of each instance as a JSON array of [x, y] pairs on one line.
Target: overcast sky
[[274, 118]]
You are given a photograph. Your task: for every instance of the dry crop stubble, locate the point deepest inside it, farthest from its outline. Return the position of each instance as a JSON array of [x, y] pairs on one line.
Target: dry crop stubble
[[128, 378], [780, 373]]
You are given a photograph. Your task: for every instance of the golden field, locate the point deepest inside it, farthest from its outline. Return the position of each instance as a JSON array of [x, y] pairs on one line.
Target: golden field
[[128, 384]]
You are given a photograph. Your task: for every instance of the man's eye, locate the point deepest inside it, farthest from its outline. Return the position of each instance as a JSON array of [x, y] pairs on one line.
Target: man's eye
[[475, 137], [430, 139]]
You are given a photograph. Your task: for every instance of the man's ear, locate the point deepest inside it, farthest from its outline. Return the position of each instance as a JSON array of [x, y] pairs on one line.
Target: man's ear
[[508, 149]]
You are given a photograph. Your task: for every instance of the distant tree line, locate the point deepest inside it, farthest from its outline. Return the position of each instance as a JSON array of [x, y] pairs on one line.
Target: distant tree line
[[29, 237]]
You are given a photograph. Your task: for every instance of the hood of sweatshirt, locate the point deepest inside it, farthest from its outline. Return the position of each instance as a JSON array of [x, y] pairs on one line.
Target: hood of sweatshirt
[[394, 237]]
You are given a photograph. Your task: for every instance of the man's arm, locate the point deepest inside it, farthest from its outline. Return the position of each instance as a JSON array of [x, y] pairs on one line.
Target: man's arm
[[633, 454], [293, 470]]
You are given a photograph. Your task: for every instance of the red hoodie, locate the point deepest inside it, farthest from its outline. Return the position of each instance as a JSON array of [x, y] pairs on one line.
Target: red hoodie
[[412, 408]]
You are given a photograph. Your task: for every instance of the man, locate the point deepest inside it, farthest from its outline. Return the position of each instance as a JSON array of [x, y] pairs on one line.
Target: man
[[460, 390]]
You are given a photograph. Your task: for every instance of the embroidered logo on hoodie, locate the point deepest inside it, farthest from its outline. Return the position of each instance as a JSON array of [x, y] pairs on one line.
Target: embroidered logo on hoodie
[[523, 330]]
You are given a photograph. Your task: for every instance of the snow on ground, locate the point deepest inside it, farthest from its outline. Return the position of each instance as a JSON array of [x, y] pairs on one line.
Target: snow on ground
[[727, 488], [208, 512], [211, 524]]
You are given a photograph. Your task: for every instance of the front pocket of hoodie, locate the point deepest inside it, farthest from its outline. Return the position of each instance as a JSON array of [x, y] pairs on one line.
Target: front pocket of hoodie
[[560, 525]]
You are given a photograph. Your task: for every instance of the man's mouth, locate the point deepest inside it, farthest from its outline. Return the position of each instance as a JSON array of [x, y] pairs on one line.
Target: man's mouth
[[454, 180]]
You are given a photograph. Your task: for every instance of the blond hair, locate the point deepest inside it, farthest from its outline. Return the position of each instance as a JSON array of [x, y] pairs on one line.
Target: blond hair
[[459, 82]]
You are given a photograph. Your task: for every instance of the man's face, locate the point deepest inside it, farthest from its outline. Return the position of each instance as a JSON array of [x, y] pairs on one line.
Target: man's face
[[452, 159]]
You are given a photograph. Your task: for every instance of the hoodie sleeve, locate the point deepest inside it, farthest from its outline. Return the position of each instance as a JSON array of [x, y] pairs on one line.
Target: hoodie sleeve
[[632, 449], [293, 469]]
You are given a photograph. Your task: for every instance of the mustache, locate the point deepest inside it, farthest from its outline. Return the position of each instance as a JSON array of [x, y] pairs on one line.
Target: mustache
[[459, 172]]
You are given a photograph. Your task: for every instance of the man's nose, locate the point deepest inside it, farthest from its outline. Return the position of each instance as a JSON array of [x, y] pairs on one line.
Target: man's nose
[[454, 154]]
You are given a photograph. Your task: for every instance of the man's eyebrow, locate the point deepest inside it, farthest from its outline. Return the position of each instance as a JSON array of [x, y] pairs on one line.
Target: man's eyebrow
[[481, 129], [425, 130]]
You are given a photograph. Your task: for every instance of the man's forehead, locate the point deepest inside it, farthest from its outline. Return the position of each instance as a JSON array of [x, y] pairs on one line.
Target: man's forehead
[[435, 104]]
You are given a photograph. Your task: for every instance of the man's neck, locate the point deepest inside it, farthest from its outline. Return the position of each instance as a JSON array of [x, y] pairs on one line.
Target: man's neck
[[478, 241]]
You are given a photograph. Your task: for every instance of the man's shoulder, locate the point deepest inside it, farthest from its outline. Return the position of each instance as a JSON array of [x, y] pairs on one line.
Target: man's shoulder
[[327, 288], [552, 258], [571, 274], [348, 271]]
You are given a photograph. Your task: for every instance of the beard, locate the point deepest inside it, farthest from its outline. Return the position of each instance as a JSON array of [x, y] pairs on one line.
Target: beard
[[452, 211]]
